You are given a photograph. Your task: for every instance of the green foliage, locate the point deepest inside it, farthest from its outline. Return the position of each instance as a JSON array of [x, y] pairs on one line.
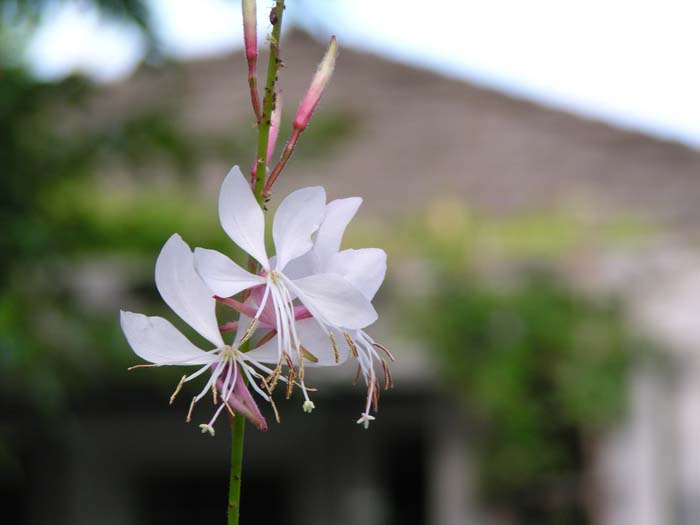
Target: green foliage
[[542, 370], [59, 215], [327, 130]]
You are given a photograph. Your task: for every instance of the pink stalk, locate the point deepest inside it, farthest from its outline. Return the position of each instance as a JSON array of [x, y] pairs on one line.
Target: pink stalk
[[305, 111], [250, 37]]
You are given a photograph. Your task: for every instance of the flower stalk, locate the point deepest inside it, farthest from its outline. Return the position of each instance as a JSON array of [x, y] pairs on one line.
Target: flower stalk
[[269, 100], [264, 121], [234, 494]]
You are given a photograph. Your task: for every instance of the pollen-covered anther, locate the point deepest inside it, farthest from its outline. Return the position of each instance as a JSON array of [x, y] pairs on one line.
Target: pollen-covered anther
[[207, 429], [358, 374], [308, 406], [177, 389], [290, 382], [388, 380], [336, 353], [384, 349], [351, 344], [274, 377], [189, 412]]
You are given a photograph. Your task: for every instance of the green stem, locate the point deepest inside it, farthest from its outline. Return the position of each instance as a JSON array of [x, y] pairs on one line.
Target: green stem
[[238, 422], [234, 492], [268, 101]]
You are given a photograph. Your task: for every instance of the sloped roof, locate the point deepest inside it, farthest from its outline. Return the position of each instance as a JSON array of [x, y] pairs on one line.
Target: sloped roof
[[418, 135]]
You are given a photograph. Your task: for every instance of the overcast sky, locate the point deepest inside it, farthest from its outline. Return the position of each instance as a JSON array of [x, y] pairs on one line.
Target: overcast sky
[[630, 62]]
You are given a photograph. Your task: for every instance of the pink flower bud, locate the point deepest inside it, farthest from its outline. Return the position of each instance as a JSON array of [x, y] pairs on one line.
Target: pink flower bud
[[250, 28], [318, 85]]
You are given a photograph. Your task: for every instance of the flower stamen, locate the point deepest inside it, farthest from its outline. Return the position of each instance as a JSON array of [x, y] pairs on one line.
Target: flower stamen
[[177, 389]]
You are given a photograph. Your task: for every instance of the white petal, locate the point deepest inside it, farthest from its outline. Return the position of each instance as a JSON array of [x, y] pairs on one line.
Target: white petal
[[313, 339], [318, 343], [266, 353], [156, 340], [296, 219], [334, 301], [301, 266], [365, 268], [221, 275], [241, 216], [184, 291], [339, 213]]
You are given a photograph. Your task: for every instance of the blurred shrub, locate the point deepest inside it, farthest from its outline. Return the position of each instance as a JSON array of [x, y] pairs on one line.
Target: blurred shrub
[[542, 371]]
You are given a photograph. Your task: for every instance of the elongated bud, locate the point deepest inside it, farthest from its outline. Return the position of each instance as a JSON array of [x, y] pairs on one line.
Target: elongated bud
[[318, 85], [274, 126], [250, 29]]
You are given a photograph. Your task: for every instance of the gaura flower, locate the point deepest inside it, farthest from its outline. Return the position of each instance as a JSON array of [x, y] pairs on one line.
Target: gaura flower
[[156, 340], [334, 303], [364, 268]]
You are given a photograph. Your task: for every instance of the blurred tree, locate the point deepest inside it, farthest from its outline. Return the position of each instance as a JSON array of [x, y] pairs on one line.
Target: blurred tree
[[542, 371], [56, 221]]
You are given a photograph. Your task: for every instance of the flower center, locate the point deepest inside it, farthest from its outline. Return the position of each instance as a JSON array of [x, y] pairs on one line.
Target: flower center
[[228, 353], [275, 277]]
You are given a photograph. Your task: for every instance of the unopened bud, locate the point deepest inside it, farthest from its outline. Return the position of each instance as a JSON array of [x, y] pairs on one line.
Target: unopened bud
[[250, 29], [318, 85]]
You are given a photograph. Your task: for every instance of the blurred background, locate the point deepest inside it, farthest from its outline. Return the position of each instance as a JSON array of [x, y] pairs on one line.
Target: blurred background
[[531, 169]]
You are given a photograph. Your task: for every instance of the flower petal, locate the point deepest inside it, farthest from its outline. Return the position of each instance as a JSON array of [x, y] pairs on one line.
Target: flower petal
[[339, 213], [296, 219], [241, 216], [314, 340], [334, 301], [365, 268], [158, 341], [221, 275], [318, 343], [184, 291]]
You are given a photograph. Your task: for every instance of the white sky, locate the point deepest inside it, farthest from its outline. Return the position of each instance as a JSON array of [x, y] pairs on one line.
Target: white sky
[[630, 62]]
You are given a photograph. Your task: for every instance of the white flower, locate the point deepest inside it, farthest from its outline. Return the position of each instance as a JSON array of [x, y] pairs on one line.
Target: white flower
[[365, 270], [156, 340], [333, 301]]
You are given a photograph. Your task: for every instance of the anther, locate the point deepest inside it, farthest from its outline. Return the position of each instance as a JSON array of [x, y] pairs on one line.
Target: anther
[[177, 389], [385, 350], [308, 355], [357, 375], [189, 413], [308, 406], [351, 344], [335, 348], [388, 380], [141, 366], [249, 332]]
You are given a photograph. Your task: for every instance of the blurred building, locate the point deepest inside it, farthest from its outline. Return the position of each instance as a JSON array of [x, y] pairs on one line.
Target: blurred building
[[409, 136]]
